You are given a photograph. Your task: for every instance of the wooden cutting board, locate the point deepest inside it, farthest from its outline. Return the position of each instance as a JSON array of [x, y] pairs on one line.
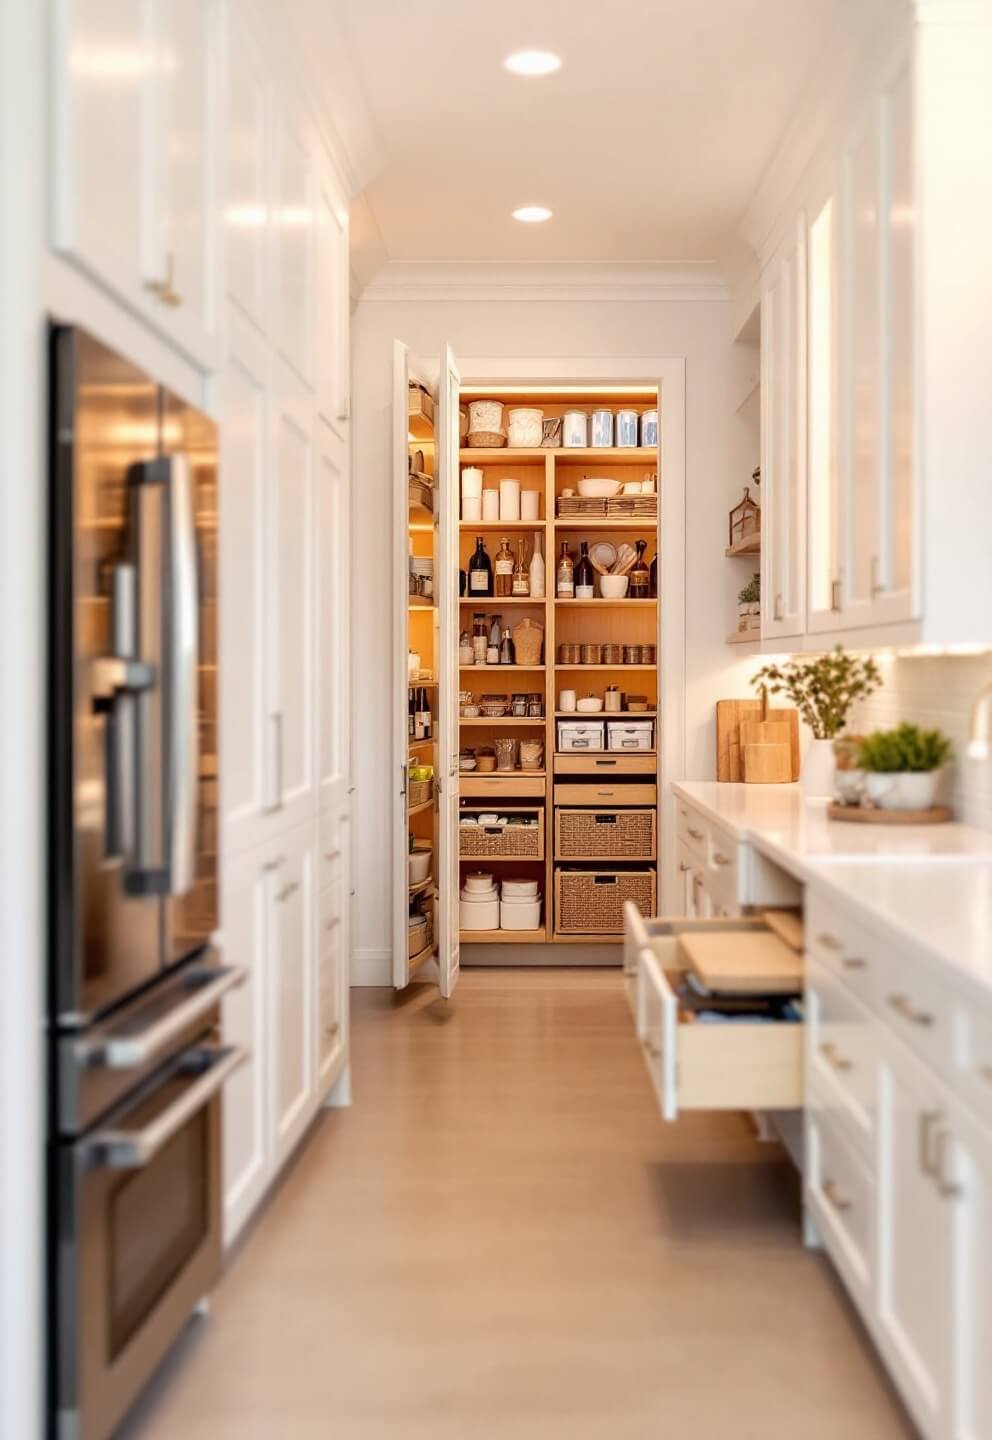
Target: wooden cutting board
[[788, 926], [765, 751], [739, 962], [729, 714]]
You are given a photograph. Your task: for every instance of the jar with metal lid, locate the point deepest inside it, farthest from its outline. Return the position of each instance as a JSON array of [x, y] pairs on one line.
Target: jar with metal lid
[[535, 707], [632, 654], [574, 430], [601, 429], [649, 428], [627, 429], [518, 706]]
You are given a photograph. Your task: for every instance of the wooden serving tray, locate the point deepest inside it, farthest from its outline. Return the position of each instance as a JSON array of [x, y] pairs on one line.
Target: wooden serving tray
[[872, 815]]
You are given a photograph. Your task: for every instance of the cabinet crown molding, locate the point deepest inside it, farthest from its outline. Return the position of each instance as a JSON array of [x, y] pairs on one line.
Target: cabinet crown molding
[[562, 281]]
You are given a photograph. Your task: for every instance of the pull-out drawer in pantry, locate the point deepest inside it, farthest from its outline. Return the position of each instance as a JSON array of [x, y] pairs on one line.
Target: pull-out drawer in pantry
[[740, 1064], [603, 793], [578, 764]]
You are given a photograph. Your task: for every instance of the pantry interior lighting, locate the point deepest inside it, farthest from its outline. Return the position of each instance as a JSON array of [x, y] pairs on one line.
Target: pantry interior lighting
[[532, 214], [533, 62]]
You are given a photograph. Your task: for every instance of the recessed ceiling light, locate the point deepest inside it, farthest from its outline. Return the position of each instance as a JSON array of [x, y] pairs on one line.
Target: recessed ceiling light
[[533, 62], [532, 214]]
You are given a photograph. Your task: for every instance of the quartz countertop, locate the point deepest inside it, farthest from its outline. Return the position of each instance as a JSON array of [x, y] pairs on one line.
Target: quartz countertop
[[928, 886]]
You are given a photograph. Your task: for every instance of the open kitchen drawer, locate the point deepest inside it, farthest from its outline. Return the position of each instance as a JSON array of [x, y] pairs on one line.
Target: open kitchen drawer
[[743, 1064]]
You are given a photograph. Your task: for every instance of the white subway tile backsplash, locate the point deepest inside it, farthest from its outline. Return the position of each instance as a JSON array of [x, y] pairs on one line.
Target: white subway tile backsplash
[[937, 691]]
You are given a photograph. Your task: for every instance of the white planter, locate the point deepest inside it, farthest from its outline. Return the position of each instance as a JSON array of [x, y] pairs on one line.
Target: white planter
[[819, 764], [903, 790]]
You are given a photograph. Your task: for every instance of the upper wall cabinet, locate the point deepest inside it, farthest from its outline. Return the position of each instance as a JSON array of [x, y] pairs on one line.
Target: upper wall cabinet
[[246, 177], [333, 359], [294, 196], [135, 152]]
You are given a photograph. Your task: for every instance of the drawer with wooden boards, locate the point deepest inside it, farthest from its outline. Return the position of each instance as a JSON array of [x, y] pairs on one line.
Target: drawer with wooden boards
[[726, 1039]]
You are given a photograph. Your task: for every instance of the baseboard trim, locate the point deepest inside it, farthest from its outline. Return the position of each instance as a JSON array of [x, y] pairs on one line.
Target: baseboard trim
[[371, 968]]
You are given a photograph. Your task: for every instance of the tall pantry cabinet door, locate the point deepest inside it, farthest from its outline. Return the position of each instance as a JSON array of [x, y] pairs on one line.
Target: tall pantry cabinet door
[[446, 485], [399, 669], [292, 985], [245, 930], [246, 179], [248, 773], [102, 60], [294, 189], [333, 358], [783, 439], [824, 510], [333, 649], [291, 615]]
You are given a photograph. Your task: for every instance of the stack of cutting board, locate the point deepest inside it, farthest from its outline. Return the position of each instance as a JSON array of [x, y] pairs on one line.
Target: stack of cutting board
[[756, 744]]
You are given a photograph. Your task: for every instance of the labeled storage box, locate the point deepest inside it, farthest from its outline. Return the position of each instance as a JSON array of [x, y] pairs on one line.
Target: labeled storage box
[[580, 735], [630, 734], [590, 902], [605, 834]]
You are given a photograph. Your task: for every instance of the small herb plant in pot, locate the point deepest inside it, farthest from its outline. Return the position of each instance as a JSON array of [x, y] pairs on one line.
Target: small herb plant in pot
[[902, 766], [823, 689], [749, 605]]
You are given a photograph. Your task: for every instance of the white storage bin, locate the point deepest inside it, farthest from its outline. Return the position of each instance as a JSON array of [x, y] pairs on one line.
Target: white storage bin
[[479, 912], [520, 914], [630, 734], [580, 735]]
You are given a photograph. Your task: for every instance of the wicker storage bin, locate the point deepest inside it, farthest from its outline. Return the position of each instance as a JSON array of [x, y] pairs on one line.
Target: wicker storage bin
[[590, 902], [418, 792], [605, 834], [420, 936], [486, 440], [517, 842]]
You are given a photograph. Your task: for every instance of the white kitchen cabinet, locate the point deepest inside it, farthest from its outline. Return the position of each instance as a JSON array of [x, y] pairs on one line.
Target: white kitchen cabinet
[[915, 1280], [291, 611], [783, 438], [134, 91], [333, 651], [823, 504], [331, 1011], [246, 213], [333, 309], [967, 1182], [292, 985], [293, 215]]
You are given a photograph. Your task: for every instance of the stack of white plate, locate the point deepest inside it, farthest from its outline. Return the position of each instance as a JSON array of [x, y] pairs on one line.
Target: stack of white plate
[[479, 905], [520, 905]]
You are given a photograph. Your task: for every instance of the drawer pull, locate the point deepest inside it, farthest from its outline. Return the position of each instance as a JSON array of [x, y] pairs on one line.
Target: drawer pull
[[333, 923], [271, 865], [683, 869], [719, 859], [928, 1122], [332, 1029], [834, 1196], [985, 1071], [696, 834], [829, 942], [288, 890], [829, 1053], [652, 1047], [949, 1189], [903, 1006], [332, 855], [854, 962]]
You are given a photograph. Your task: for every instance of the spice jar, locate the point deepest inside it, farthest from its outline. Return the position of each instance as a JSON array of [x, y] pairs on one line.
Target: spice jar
[[519, 706], [535, 707]]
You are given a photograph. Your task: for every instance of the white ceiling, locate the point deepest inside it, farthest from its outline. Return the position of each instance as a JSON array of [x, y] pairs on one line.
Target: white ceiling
[[648, 144]]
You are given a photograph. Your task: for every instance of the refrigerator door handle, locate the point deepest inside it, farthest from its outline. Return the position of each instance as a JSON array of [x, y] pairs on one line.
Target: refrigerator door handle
[[115, 682], [181, 682]]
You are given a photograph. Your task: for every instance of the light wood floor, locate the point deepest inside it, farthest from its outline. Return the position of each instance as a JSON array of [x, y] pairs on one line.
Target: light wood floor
[[501, 1239]]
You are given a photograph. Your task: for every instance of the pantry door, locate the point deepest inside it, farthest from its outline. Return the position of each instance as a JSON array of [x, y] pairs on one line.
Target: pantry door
[[399, 669], [446, 484]]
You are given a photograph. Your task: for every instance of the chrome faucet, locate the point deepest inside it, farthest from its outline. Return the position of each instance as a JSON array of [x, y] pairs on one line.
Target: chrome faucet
[[980, 731]]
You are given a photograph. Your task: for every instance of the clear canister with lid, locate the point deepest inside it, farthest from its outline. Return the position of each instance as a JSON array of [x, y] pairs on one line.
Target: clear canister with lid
[[601, 429], [626, 438], [574, 430]]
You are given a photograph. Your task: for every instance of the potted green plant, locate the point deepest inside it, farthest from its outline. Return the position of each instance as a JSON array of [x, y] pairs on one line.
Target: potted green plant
[[902, 766], [823, 689], [749, 605]]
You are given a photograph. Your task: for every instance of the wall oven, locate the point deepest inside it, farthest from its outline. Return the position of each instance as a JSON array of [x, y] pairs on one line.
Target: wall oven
[[137, 1063]]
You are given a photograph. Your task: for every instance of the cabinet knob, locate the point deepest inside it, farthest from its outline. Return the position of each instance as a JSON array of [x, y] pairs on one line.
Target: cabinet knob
[[834, 1196], [271, 865], [696, 834], [332, 854], [830, 1054], [903, 1006], [288, 890], [333, 923], [332, 1029], [652, 1047], [926, 1126], [719, 859], [854, 962], [829, 942]]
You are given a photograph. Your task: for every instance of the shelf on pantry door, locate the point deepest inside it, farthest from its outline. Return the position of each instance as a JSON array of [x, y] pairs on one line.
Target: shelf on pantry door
[[471, 525], [419, 809], [600, 604], [415, 962], [421, 887], [419, 602]]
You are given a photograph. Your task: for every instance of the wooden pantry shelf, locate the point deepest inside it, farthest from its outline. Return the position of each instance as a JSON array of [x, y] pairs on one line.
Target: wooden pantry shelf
[[559, 665], [417, 602], [750, 546], [594, 522], [471, 526], [586, 715], [504, 669], [421, 956], [498, 601], [744, 637], [600, 604], [421, 887], [504, 937], [508, 455], [489, 723], [422, 744]]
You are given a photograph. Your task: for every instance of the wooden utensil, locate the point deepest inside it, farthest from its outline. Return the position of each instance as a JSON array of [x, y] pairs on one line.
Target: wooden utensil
[[729, 714], [765, 748]]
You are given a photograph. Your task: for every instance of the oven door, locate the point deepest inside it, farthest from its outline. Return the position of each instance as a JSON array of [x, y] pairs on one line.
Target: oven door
[[139, 1236]]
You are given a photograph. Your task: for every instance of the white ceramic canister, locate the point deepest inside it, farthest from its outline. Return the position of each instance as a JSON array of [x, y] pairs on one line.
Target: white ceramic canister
[[627, 429], [509, 499], [486, 415], [472, 509], [520, 914], [526, 427], [476, 913], [567, 700], [601, 429], [530, 504], [574, 429], [471, 483], [649, 427], [480, 882], [490, 506]]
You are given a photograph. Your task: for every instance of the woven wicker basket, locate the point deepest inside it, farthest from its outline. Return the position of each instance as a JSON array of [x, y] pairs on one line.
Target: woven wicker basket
[[528, 642], [520, 842], [605, 834], [486, 440], [418, 792], [590, 902]]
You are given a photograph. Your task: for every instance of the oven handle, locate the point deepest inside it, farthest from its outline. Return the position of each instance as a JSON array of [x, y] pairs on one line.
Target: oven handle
[[132, 1051], [133, 1150]]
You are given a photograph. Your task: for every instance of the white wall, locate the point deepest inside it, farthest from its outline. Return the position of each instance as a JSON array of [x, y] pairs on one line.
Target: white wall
[[719, 460]]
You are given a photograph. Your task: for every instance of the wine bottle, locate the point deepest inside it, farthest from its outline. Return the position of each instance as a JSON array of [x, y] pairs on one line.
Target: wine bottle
[[418, 718], [521, 580], [640, 579], [424, 713], [585, 575], [566, 574], [507, 653], [537, 570], [654, 577], [411, 723], [480, 571], [504, 568]]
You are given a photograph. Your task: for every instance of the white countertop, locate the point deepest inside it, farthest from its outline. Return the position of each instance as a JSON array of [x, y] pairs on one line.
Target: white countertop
[[929, 886]]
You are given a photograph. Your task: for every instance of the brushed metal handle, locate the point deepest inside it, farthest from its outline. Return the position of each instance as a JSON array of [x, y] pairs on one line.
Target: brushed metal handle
[[332, 1029], [949, 1189], [835, 595], [333, 923], [332, 854], [876, 584], [652, 1047], [274, 864], [834, 1196], [288, 890], [903, 1006], [829, 942], [926, 1126], [854, 962], [830, 1053], [719, 859], [696, 834], [777, 612]]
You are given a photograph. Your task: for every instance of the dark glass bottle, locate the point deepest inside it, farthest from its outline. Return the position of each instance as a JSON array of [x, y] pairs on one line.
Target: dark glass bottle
[[480, 571], [411, 724], [654, 577], [585, 575], [640, 577]]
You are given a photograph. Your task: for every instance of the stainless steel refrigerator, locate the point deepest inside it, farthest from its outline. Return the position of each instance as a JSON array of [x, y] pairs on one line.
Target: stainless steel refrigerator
[[137, 1061]]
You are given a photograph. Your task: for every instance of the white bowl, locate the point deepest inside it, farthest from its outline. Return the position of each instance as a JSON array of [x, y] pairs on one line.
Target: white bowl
[[420, 864], [598, 489], [613, 587], [519, 890], [479, 883], [589, 704]]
